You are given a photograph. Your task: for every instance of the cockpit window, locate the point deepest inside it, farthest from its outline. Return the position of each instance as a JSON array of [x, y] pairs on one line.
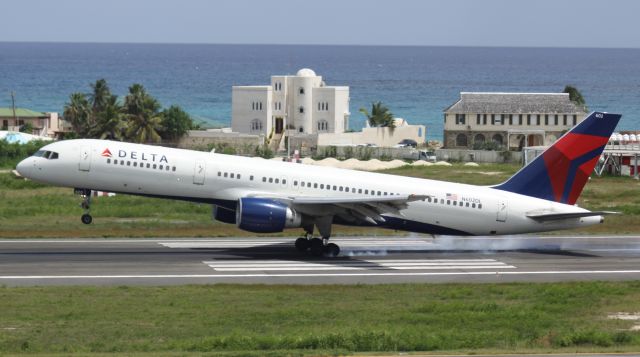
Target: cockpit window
[[50, 155]]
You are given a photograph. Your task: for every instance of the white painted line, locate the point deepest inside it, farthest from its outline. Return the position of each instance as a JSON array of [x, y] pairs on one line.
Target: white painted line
[[305, 268], [374, 274]]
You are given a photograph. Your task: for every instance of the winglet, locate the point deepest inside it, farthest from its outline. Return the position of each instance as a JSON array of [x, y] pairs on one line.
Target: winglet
[[561, 172]]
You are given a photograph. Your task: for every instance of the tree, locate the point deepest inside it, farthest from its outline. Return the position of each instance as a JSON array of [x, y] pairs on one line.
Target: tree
[[380, 116], [175, 123], [110, 121], [143, 112], [77, 113], [100, 96], [575, 96]]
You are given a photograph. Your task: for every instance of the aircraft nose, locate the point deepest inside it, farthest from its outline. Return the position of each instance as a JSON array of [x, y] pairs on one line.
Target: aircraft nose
[[24, 168]]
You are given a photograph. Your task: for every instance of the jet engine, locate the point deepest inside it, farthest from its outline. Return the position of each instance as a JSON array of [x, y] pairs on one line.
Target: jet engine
[[263, 215], [224, 215]]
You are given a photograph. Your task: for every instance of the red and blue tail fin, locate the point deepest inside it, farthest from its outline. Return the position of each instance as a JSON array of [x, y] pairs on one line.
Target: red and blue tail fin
[[561, 172]]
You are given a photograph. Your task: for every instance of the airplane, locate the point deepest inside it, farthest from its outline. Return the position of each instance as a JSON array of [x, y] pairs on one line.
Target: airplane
[[266, 196]]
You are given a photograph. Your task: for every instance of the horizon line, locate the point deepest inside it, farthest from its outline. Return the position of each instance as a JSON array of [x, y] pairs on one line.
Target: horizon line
[[299, 44]]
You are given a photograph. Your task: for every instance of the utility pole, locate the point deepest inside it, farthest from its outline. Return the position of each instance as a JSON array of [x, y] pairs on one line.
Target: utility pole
[[13, 105]]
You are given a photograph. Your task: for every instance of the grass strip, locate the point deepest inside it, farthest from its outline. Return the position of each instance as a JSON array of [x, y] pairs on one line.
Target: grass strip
[[328, 319]]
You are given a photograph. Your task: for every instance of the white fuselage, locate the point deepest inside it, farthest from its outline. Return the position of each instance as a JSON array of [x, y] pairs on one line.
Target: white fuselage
[[452, 208]]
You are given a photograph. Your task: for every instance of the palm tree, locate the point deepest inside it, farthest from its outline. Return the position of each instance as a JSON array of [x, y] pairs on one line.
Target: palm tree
[[143, 111], [380, 116], [100, 96], [110, 121], [78, 113], [575, 96]]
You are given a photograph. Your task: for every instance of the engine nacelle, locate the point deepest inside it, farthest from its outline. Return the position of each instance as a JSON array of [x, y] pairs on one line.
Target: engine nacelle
[[263, 215], [224, 215]]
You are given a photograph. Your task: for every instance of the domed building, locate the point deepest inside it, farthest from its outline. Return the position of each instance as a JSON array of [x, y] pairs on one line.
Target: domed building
[[301, 103]]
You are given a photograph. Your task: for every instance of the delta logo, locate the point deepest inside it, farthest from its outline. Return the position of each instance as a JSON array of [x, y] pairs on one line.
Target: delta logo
[[106, 153]]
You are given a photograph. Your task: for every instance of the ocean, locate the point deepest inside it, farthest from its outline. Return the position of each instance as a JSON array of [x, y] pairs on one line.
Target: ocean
[[416, 83]]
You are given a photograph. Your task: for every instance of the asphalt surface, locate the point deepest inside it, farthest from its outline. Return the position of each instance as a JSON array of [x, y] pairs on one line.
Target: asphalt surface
[[368, 260]]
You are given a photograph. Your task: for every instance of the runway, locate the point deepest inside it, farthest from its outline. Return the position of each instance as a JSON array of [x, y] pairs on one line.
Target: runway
[[367, 260]]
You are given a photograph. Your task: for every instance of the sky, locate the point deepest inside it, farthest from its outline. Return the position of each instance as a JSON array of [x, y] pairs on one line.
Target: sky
[[532, 23]]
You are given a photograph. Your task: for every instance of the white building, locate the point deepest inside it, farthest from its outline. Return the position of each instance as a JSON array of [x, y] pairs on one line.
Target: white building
[[302, 103]]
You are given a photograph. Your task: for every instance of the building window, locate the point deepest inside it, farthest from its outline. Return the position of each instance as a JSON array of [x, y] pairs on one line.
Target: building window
[[519, 119], [546, 119], [461, 119], [301, 110], [575, 119], [323, 125], [484, 119], [497, 138], [555, 119], [461, 140], [256, 125], [528, 119], [564, 120], [537, 119], [301, 90], [478, 116], [478, 139]]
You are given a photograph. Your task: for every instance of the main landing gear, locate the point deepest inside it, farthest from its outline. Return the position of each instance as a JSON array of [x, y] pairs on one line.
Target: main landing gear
[[318, 246], [86, 204]]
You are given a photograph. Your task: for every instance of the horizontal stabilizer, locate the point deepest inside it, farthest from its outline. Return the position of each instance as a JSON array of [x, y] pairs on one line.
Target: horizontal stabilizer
[[545, 217]]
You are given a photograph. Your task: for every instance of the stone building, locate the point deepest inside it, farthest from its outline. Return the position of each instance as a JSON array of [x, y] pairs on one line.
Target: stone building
[[300, 103], [509, 120]]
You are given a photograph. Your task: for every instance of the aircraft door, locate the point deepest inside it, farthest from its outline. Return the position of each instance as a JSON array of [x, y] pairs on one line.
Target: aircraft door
[[502, 211], [198, 172], [85, 159]]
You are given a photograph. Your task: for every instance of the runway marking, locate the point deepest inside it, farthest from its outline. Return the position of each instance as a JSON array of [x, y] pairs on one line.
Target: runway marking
[[360, 264], [215, 276]]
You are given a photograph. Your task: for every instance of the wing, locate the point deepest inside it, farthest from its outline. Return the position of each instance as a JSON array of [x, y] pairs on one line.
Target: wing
[[350, 209], [546, 217]]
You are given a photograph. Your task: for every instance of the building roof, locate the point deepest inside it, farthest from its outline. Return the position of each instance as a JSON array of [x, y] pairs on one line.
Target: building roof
[[21, 113], [306, 72], [478, 102]]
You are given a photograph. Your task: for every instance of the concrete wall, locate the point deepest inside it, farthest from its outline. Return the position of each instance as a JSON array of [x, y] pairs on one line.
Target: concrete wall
[[514, 157], [201, 139], [377, 136]]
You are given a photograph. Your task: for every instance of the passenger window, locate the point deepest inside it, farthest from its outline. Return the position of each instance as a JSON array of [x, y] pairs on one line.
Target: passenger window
[[264, 179], [270, 179], [232, 175], [121, 162], [251, 178], [385, 193], [309, 184], [295, 182], [302, 183], [322, 186], [359, 190], [128, 163], [148, 165], [340, 189], [473, 205], [219, 173], [335, 188], [277, 180], [479, 205], [238, 176], [161, 167], [135, 164], [167, 168], [353, 190], [284, 181], [379, 193], [174, 168], [115, 162], [467, 204], [225, 174], [108, 161], [315, 185], [448, 202], [442, 201], [154, 166], [366, 192]]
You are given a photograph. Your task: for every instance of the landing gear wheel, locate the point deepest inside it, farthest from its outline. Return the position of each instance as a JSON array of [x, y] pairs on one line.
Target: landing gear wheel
[[86, 218], [316, 247], [331, 250], [302, 244]]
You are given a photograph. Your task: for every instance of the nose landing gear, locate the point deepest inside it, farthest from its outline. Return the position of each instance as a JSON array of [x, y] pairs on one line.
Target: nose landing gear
[[86, 204]]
